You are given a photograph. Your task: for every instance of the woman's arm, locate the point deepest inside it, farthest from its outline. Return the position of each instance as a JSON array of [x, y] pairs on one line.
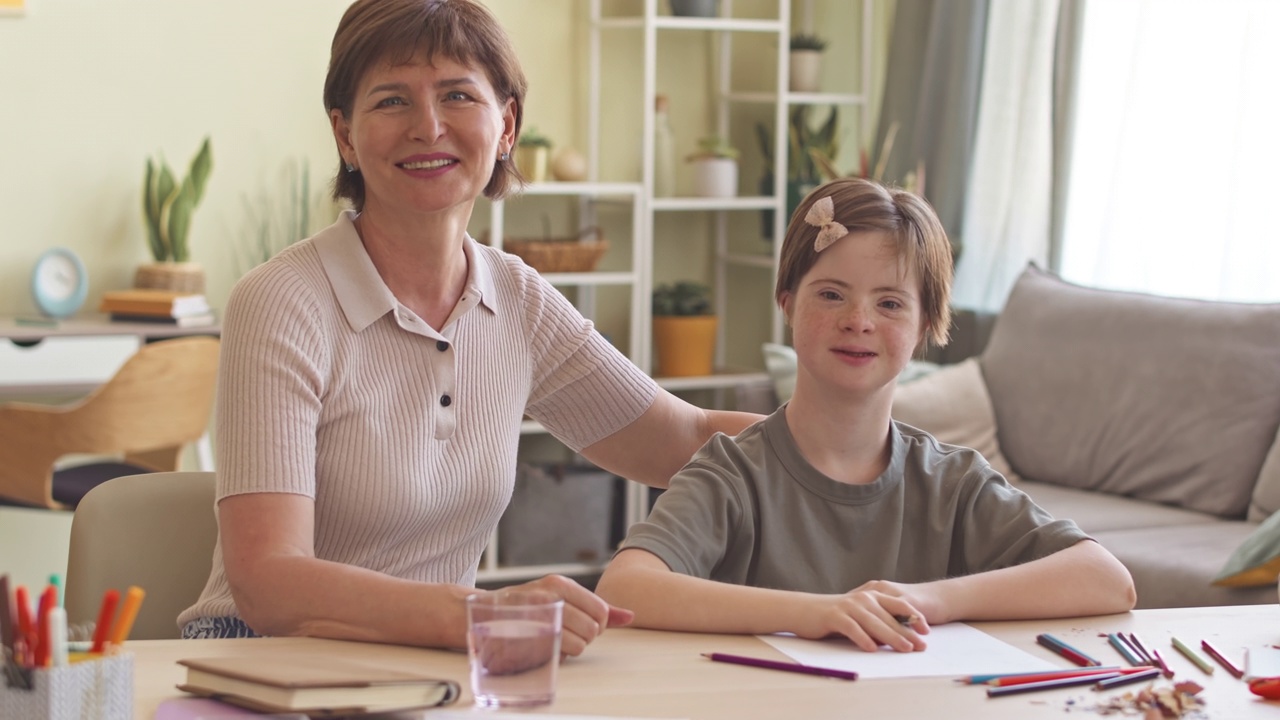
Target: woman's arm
[[662, 599], [281, 588], [1084, 579], [659, 442]]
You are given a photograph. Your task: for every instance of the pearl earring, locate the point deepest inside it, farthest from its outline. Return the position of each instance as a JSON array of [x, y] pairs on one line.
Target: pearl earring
[[503, 157], [351, 168]]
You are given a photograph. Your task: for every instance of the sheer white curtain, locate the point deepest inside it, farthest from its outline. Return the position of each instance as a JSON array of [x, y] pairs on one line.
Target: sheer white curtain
[[1006, 215], [1175, 177]]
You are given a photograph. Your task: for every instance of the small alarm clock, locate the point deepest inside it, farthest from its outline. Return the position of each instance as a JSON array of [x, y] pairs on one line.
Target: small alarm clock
[[59, 282]]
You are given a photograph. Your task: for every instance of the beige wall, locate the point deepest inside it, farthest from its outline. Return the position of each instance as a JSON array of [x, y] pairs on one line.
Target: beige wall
[[89, 89]]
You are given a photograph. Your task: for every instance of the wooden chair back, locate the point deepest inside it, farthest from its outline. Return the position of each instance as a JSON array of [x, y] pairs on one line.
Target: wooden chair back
[[158, 401]]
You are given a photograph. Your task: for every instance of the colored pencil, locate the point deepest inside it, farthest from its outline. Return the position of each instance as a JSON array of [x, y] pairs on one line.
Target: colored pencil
[[1078, 672], [1066, 650], [1049, 684], [1226, 664], [1193, 656], [784, 666], [1146, 673], [1122, 646], [1142, 649], [1164, 667], [985, 679]]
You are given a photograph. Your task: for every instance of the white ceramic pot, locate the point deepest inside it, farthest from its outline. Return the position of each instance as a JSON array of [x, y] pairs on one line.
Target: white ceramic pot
[[806, 69], [715, 177]]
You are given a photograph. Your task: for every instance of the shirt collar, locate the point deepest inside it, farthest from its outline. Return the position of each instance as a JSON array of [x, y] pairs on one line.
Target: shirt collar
[[360, 290]]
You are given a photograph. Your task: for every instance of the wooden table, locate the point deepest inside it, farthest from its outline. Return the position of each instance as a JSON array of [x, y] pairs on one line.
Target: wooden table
[[642, 673]]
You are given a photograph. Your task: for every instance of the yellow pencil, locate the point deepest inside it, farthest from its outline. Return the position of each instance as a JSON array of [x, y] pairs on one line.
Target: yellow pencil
[[128, 612], [1193, 656]]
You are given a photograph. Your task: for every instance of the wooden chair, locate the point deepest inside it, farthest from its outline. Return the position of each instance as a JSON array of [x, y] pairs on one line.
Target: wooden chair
[[156, 531], [158, 401]]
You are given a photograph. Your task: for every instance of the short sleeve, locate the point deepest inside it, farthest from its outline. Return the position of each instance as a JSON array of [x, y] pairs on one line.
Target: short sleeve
[[701, 525], [582, 388], [1001, 526]]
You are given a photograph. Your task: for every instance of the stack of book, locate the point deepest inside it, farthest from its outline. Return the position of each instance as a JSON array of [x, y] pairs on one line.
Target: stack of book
[[158, 306]]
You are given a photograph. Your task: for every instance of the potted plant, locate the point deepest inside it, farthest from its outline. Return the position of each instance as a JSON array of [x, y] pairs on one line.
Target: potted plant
[[693, 8], [167, 207], [806, 62], [532, 150], [811, 155], [684, 329], [715, 168]]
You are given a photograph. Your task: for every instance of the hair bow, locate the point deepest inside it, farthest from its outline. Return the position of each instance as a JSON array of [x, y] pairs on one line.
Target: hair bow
[[822, 215]]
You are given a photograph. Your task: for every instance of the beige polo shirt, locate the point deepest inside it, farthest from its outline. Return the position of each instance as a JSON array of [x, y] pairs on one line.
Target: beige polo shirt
[[404, 435]]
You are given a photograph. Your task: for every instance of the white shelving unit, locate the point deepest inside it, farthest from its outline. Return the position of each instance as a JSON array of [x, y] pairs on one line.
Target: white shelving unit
[[655, 29]]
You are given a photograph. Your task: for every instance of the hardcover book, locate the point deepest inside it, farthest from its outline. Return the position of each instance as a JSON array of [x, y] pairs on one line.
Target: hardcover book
[[145, 301], [315, 685]]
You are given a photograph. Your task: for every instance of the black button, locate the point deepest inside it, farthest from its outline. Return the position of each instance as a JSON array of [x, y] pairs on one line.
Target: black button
[[442, 345], [445, 401]]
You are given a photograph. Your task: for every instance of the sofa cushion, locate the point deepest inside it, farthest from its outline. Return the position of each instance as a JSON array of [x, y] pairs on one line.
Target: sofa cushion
[[1174, 566], [1266, 495], [1097, 512], [1171, 400], [951, 404], [1257, 560]]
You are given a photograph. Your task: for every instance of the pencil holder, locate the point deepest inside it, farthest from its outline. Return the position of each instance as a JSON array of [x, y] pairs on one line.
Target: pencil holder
[[100, 689]]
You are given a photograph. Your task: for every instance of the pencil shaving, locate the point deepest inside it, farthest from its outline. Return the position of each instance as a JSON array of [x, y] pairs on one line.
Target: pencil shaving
[[1182, 700]]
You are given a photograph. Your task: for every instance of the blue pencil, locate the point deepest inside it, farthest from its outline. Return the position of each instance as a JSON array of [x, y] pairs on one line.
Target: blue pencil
[[1122, 647]]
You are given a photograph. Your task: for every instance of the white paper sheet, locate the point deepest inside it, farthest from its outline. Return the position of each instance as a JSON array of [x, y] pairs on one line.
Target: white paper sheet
[[955, 650]]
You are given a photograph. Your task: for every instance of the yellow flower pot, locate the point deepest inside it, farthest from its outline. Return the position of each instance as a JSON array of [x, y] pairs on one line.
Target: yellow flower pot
[[685, 345]]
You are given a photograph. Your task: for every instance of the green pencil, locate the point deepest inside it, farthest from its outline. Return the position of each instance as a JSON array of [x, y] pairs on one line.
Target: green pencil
[[1193, 656]]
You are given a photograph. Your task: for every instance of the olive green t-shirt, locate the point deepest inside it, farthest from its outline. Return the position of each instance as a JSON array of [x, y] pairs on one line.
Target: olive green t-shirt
[[751, 510]]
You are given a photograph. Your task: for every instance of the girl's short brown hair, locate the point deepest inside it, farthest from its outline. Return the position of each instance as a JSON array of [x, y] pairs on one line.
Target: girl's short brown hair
[[861, 206], [398, 31]]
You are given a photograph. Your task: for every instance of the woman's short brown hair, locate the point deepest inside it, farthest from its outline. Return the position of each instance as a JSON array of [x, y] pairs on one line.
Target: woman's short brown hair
[[398, 31], [861, 206]]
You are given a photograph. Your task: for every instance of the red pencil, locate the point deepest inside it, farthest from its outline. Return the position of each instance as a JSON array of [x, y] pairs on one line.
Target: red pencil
[[1082, 672], [105, 612], [44, 646], [26, 627], [1065, 650]]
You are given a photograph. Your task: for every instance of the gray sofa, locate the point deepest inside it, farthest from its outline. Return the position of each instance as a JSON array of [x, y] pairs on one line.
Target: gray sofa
[[1152, 422]]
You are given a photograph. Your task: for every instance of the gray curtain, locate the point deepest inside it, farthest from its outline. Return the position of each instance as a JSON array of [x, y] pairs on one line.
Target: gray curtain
[[932, 85], [1066, 74]]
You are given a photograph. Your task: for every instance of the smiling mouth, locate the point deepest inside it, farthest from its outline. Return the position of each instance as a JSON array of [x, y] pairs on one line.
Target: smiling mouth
[[428, 164], [856, 354]]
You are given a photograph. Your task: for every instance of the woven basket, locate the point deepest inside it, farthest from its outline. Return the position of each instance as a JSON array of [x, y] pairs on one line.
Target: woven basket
[[560, 255], [185, 277]]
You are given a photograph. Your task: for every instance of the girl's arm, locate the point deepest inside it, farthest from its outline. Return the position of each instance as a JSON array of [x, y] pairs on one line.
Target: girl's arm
[[661, 599], [1084, 579]]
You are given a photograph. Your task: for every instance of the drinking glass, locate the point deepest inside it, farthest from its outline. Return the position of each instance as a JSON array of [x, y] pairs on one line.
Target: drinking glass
[[513, 642]]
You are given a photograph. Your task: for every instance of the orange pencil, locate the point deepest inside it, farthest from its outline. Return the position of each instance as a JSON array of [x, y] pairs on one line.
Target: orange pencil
[[128, 613], [105, 612]]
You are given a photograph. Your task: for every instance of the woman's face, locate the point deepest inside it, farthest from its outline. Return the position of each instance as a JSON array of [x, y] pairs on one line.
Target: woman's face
[[855, 317], [425, 136]]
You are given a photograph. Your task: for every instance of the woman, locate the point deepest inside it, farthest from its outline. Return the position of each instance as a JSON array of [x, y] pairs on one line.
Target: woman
[[374, 376]]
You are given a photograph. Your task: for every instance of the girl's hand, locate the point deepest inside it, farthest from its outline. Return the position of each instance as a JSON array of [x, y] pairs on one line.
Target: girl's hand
[[869, 618]]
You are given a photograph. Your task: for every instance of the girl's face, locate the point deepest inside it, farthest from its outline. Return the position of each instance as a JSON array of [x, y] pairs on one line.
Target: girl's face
[[425, 135], [855, 317]]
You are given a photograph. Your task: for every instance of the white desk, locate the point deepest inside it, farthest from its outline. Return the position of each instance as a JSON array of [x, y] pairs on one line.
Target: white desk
[[640, 673]]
